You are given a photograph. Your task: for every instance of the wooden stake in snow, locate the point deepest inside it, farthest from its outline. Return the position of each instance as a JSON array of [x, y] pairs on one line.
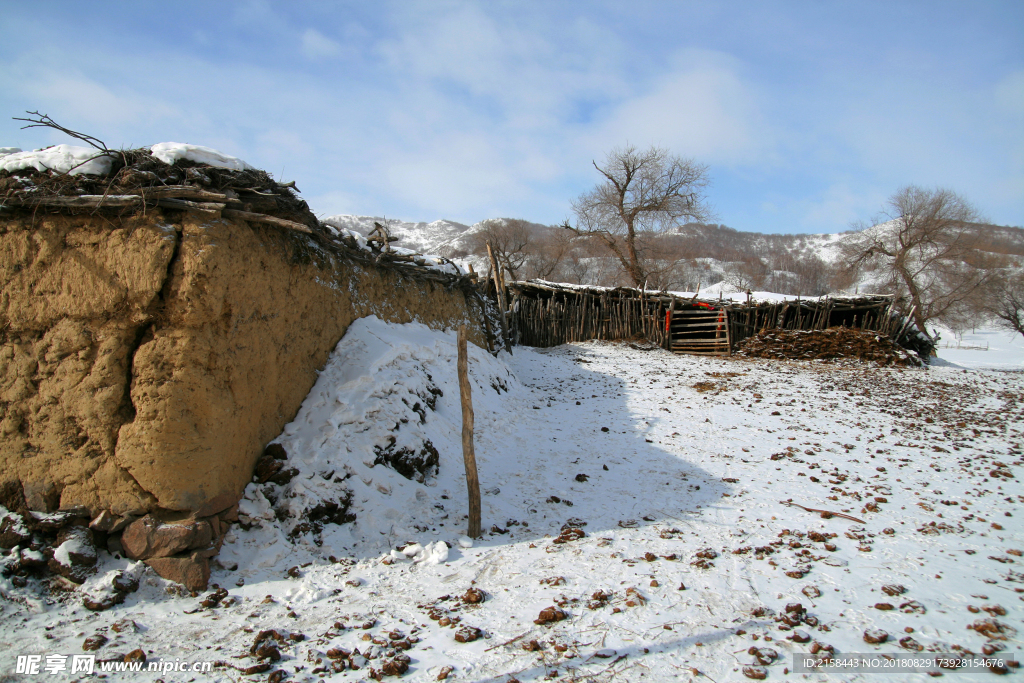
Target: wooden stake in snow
[[472, 482], [499, 292]]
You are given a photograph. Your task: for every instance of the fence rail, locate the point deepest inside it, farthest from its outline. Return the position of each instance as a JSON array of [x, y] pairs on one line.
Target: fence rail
[[965, 347]]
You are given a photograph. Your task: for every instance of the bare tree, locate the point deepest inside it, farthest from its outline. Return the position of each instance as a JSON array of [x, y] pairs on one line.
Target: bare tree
[[749, 273], [509, 238], [926, 250], [1007, 304], [642, 194], [549, 248], [813, 276], [579, 269]]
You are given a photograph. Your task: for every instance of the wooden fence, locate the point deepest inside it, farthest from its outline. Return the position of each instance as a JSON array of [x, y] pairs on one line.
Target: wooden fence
[[546, 315], [555, 320], [875, 314]]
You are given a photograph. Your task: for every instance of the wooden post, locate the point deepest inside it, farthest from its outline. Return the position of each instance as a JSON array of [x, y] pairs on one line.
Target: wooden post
[[728, 334], [468, 455], [910, 317], [499, 291], [668, 321]]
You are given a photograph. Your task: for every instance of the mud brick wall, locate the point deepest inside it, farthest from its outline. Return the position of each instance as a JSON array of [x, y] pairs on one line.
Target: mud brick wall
[[146, 361]]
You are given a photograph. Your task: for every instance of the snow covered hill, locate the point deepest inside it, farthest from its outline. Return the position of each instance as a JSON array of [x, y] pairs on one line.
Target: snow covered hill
[[426, 238], [715, 250]]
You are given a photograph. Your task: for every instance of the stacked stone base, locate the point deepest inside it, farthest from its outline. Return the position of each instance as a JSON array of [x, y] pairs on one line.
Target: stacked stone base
[[67, 544]]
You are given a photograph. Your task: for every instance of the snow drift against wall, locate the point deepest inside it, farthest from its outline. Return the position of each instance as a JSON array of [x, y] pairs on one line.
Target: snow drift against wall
[[384, 417]]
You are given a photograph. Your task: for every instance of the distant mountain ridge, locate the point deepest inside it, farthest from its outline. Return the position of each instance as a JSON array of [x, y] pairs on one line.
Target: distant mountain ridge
[[427, 238], [438, 237], [708, 254], [714, 241]]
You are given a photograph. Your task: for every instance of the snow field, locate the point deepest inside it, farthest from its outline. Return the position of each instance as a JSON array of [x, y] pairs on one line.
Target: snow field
[[676, 470]]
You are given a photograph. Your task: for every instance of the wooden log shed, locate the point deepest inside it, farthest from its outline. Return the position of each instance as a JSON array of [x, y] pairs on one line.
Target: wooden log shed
[[547, 314]]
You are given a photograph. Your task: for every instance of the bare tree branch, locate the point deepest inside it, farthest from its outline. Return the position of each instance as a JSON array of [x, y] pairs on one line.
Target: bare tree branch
[[926, 251], [1007, 305], [643, 195], [44, 121], [510, 238]]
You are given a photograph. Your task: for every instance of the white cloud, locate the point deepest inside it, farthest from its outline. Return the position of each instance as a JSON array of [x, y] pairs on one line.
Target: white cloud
[[316, 45], [508, 72], [255, 13], [1009, 94], [81, 100], [701, 107], [837, 207], [966, 138], [466, 110]]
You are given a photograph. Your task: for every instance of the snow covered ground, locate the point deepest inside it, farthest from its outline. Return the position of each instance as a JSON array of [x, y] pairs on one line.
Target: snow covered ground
[[676, 473], [984, 348]]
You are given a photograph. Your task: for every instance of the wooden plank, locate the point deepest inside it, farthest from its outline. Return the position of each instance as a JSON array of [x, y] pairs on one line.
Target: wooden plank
[[699, 353], [688, 345], [683, 326], [90, 201], [728, 338], [668, 325], [186, 192], [185, 205], [262, 218], [699, 343], [499, 292]]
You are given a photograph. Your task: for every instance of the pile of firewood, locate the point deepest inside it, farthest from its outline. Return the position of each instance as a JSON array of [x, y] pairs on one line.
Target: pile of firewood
[[829, 344]]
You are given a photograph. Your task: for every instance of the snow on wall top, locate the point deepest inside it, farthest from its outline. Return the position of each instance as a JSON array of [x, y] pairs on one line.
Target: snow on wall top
[[169, 152], [76, 160], [69, 159]]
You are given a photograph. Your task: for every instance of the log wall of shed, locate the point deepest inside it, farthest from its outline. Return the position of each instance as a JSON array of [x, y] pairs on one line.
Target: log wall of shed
[[547, 315]]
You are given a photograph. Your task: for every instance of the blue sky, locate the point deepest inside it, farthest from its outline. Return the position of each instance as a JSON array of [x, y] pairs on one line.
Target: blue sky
[[808, 114]]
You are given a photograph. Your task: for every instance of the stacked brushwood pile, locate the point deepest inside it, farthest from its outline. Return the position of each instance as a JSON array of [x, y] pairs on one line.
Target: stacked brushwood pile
[[830, 344], [137, 180]]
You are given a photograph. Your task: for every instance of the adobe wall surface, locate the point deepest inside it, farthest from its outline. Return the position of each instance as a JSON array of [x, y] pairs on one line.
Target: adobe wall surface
[[145, 362]]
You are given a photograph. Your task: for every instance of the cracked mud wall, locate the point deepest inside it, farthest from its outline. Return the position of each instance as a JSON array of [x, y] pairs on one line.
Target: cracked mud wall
[[74, 294], [145, 362]]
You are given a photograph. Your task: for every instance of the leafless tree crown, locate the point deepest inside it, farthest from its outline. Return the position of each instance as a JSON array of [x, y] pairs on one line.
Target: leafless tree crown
[[510, 238], [642, 194], [1006, 304], [925, 245]]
